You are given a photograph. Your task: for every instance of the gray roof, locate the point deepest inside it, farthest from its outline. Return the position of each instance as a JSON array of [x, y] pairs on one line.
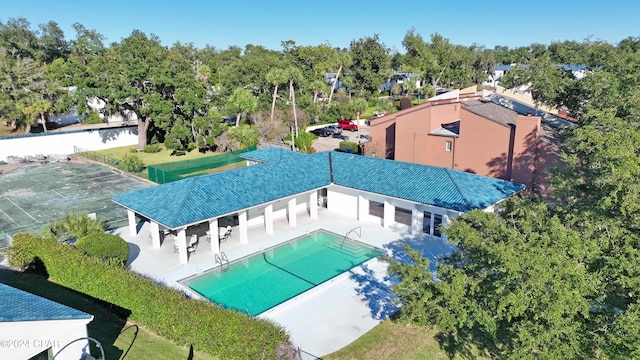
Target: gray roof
[[199, 198], [489, 110], [19, 305]]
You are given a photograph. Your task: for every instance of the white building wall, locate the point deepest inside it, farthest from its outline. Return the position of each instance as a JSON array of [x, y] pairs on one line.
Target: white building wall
[[302, 202], [24, 339], [255, 216], [343, 201], [63, 142]]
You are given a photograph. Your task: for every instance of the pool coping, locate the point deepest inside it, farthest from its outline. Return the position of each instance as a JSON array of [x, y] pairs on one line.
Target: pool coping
[[347, 273]]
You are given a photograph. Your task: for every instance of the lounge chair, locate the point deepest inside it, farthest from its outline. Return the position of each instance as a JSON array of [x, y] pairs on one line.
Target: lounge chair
[[224, 233]]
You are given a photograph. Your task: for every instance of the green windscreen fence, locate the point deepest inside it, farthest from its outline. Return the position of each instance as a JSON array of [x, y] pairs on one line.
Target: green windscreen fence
[[174, 171]]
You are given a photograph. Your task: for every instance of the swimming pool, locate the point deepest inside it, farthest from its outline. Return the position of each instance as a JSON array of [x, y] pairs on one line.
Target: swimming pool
[[259, 282]]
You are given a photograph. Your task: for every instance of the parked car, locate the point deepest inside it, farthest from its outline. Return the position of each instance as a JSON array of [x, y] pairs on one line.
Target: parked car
[[335, 129], [348, 125], [345, 150], [322, 132], [341, 137]]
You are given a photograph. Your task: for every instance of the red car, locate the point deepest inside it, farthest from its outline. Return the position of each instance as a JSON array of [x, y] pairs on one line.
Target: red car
[[348, 125]]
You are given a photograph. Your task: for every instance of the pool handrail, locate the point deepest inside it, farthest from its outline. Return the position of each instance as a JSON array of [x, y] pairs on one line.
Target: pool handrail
[[346, 236]]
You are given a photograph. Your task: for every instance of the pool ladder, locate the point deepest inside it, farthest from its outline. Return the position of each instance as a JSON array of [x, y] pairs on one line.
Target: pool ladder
[[357, 230], [221, 259]]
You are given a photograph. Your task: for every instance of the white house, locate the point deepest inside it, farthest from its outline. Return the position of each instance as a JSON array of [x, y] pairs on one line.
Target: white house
[[32, 327]]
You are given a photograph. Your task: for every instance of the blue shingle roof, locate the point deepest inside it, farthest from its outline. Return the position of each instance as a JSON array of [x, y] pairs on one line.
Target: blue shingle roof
[[442, 187], [19, 305], [270, 154], [203, 197]]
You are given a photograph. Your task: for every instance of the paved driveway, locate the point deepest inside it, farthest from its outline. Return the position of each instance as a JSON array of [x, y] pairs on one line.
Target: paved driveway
[[330, 143]]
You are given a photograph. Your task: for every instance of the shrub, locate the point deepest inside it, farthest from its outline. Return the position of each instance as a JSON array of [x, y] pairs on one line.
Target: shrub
[[152, 148], [93, 118], [110, 248], [131, 163], [72, 227], [224, 333], [349, 145]]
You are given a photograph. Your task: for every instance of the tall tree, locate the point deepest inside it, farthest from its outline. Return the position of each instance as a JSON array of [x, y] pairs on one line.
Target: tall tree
[[518, 285], [241, 102], [52, 42], [17, 38], [371, 63], [293, 75], [127, 80], [275, 77]]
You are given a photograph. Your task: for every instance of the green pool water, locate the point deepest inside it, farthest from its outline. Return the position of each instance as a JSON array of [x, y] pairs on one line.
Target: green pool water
[[262, 281]]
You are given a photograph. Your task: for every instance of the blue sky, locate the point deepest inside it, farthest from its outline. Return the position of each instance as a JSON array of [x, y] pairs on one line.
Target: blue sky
[[267, 23]]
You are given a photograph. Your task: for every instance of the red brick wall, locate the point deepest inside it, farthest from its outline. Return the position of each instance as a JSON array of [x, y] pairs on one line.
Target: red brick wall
[[525, 149], [482, 146]]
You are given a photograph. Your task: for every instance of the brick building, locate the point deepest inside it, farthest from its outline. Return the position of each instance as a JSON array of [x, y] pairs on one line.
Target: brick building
[[469, 132]]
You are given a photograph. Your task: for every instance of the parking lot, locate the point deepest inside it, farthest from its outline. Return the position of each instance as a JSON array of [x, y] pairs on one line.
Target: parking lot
[[330, 143]]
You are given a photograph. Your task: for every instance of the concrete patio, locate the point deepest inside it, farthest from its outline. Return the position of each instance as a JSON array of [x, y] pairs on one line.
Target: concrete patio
[[321, 320]]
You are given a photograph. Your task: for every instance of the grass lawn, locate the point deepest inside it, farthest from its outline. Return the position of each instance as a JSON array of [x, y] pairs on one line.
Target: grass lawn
[[121, 339], [394, 340], [161, 157]]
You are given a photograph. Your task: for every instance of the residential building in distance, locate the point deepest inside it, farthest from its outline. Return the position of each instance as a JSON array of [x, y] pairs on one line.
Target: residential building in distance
[[483, 133]]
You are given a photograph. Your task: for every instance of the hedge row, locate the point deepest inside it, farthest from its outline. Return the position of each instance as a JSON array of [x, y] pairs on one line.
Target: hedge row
[[224, 333]]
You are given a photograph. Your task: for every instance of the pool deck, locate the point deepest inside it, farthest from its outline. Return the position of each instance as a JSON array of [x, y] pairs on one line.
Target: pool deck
[[321, 320]]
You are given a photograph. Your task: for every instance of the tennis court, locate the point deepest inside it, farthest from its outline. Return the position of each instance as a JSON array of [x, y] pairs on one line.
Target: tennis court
[[36, 194]]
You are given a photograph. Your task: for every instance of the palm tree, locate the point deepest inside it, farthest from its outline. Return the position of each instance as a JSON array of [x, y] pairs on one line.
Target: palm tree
[[343, 60], [242, 101], [73, 226], [294, 75], [275, 77]]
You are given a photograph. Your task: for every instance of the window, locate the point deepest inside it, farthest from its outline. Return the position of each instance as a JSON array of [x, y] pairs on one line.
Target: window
[[447, 146], [376, 208], [437, 221], [426, 222], [403, 216]]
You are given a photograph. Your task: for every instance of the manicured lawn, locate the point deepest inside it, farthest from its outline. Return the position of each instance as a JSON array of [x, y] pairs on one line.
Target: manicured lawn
[[161, 157], [164, 156], [121, 339], [394, 340]]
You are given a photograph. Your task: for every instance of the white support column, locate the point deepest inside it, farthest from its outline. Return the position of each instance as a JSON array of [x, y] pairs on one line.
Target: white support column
[[214, 236], [313, 205], [155, 234], [242, 217], [292, 212], [268, 219], [133, 230], [445, 221], [363, 207], [389, 214], [182, 246], [416, 221]]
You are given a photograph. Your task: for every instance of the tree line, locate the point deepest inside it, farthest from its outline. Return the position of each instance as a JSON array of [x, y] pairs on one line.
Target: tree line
[[181, 94]]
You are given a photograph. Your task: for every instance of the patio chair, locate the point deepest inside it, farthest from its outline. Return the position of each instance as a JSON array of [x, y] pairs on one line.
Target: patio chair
[[225, 233], [193, 244]]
